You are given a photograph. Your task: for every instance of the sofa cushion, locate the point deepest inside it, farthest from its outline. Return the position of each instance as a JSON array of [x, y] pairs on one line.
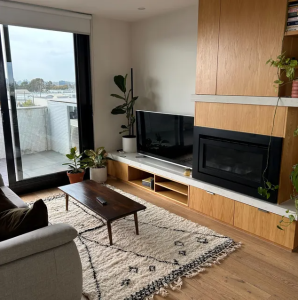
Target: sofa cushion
[[5, 203], [17, 221], [14, 198]]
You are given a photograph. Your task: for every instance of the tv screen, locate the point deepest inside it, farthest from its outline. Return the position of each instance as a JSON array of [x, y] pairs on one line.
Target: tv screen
[[165, 136]]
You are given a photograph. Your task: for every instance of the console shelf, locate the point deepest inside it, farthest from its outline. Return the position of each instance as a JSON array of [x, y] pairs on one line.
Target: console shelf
[[174, 196], [163, 186], [174, 186], [139, 184]]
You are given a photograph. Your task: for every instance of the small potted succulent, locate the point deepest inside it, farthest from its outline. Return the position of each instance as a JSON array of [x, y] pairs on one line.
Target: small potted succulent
[[77, 166], [97, 162]]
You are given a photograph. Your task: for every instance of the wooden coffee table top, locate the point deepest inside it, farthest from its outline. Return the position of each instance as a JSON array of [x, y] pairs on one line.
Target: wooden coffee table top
[[118, 205]]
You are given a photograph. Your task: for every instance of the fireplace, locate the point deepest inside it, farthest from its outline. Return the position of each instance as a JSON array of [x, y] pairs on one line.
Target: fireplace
[[236, 160]]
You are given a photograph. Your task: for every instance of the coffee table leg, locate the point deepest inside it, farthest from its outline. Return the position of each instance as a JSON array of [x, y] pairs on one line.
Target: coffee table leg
[[66, 201], [110, 233], [136, 223]]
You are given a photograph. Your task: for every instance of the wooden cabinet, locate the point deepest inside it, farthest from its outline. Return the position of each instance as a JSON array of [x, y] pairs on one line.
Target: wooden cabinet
[[264, 224], [118, 170], [208, 31], [231, 58], [215, 206]]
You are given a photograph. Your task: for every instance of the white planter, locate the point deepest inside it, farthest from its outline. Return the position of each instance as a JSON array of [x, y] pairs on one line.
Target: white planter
[[129, 144], [99, 174]]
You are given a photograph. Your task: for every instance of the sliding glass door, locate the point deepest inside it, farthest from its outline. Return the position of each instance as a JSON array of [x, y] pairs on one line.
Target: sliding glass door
[[44, 111]]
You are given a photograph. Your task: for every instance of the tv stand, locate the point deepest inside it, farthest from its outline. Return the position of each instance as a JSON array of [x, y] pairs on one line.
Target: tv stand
[[241, 211]]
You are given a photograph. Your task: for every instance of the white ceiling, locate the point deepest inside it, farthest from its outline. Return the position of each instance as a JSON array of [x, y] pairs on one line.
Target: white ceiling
[[126, 10]]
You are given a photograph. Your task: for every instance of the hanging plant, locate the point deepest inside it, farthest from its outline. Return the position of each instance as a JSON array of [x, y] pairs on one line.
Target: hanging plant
[[288, 67]]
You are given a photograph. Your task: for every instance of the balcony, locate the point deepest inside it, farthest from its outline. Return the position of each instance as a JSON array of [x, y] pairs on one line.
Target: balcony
[[47, 131]]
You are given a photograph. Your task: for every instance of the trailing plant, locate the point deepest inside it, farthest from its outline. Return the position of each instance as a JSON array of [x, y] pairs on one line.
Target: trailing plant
[[77, 165], [285, 66], [96, 159], [127, 107]]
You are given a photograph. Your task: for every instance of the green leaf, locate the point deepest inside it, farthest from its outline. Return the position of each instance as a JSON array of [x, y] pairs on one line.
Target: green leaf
[[296, 132], [117, 96], [276, 187], [70, 156], [124, 127], [278, 81], [287, 211], [120, 81], [267, 195], [118, 111], [89, 153], [269, 184], [279, 227], [291, 218]]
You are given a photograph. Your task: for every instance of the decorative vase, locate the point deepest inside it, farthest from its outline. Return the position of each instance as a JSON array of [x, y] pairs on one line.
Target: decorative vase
[[295, 89], [75, 177], [99, 174], [129, 143]]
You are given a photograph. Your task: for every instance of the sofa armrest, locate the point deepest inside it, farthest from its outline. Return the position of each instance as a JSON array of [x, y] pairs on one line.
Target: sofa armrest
[[36, 241]]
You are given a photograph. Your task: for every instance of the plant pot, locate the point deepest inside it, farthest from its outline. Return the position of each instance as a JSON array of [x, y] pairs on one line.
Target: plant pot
[[75, 177], [99, 174], [294, 89], [129, 143]]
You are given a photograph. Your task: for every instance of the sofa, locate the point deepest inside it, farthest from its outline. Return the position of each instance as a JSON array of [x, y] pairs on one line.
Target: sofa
[[40, 265]]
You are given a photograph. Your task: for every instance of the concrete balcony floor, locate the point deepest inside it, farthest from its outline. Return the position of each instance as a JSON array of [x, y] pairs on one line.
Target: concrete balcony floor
[[37, 164]]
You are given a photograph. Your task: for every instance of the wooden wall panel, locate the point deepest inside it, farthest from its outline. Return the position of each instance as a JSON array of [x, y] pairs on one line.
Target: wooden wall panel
[[243, 118], [215, 206], [264, 225], [251, 31], [289, 155], [208, 31]]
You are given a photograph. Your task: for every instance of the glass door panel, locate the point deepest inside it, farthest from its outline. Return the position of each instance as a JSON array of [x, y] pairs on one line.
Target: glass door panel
[[42, 99]]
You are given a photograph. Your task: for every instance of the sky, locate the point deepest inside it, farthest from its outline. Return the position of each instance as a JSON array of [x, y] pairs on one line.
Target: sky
[[45, 54]]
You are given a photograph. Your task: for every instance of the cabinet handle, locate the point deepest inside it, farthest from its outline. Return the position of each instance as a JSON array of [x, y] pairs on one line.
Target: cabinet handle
[[263, 210], [210, 193]]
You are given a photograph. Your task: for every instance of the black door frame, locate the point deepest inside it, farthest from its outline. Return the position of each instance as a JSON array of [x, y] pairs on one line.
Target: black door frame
[[85, 119]]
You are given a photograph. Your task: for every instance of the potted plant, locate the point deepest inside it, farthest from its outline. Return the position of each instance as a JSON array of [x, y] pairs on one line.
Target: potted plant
[[77, 166], [129, 143], [97, 162]]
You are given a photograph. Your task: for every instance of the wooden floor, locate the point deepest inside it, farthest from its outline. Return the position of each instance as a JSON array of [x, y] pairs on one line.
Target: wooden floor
[[258, 270]]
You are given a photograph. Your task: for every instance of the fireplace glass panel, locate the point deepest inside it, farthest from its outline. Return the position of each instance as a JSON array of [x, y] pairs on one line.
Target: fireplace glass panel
[[241, 163]]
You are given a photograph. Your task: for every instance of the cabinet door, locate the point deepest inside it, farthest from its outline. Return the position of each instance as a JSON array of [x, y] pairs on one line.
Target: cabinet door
[[264, 224], [251, 32], [215, 206], [118, 169], [208, 31]]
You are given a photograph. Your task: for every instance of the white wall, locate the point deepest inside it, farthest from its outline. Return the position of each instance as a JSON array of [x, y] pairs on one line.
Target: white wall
[[164, 61], [111, 55]]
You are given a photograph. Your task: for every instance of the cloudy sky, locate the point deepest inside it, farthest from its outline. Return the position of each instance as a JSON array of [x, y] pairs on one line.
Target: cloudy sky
[[42, 54]]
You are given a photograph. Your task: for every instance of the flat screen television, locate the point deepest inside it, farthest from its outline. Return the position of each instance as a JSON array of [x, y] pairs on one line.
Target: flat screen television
[[166, 137]]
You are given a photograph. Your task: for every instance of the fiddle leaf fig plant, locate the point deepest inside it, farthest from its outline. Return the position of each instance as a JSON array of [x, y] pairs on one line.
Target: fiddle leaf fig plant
[[288, 67], [127, 107]]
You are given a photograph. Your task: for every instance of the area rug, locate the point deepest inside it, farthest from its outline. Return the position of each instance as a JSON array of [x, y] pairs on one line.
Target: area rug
[[138, 267]]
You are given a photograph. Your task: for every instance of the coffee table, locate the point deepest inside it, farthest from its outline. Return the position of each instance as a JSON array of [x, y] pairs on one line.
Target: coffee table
[[118, 206]]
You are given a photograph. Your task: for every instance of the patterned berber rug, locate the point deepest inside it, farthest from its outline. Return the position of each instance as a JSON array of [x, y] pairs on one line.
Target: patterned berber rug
[[168, 248]]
